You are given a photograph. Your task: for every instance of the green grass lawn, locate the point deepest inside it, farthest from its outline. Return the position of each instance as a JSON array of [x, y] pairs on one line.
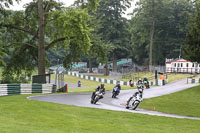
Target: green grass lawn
[[93, 84], [135, 76], [88, 83], [171, 77], [185, 102], [174, 77], [20, 115]]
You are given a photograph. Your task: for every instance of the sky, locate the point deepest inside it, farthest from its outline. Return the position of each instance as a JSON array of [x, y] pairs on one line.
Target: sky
[[67, 3]]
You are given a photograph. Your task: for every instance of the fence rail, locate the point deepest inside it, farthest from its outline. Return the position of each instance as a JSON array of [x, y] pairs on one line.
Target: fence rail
[[183, 70]]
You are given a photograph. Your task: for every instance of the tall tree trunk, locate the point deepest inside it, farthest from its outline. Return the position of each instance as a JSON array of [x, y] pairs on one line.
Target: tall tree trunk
[[90, 65], [106, 68], [41, 48], [151, 36], [114, 63]]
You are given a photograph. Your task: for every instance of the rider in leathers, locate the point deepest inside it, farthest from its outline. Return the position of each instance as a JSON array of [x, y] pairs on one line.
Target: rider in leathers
[[140, 88], [99, 88], [118, 87]]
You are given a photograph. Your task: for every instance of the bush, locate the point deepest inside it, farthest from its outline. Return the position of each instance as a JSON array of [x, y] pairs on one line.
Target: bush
[[7, 79]]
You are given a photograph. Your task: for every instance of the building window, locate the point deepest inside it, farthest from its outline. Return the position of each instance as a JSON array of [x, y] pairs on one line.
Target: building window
[[187, 65], [174, 64], [181, 64], [192, 64], [178, 64]]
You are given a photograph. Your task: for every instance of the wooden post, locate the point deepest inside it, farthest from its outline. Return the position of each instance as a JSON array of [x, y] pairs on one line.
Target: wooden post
[[67, 88]]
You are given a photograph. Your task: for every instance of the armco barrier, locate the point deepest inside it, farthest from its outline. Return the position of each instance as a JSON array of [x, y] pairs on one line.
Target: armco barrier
[[105, 80], [15, 89]]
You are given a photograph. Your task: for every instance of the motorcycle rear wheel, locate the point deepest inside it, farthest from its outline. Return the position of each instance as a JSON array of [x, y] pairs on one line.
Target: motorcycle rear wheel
[[95, 101]]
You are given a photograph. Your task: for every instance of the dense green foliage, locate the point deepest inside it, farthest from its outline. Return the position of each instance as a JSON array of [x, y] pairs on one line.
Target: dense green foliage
[[20, 115], [80, 33], [171, 19], [192, 43], [29, 40], [114, 27]]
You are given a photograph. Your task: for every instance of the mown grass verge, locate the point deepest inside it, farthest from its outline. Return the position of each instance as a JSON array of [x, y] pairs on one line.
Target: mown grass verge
[[20, 115], [186, 102], [90, 84], [171, 76]]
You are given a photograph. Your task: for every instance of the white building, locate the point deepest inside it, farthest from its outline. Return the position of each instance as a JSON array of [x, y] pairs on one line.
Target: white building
[[181, 66]]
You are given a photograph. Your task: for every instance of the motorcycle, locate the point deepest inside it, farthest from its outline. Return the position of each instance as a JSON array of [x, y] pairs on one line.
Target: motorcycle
[[95, 99], [135, 100], [115, 92]]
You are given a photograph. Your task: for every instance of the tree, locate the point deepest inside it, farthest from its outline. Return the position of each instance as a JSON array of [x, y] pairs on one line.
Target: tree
[[114, 26], [152, 33], [3, 4], [192, 42], [168, 34], [100, 49], [6, 3], [46, 24], [2, 54]]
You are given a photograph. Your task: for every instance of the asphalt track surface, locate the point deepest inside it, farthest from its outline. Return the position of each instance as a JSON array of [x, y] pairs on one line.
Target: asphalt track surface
[[118, 104]]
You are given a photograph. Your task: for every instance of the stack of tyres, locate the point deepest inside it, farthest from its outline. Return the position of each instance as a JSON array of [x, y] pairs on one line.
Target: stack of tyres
[[13, 89]]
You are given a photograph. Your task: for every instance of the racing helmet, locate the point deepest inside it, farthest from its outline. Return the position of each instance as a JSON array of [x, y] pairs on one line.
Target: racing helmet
[[139, 81], [118, 84], [102, 86], [140, 87]]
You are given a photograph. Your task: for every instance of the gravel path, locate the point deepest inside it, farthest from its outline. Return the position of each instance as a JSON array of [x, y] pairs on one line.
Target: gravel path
[[118, 104]]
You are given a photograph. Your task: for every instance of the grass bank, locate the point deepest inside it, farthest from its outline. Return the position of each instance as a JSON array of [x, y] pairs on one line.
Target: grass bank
[[171, 77], [186, 102], [20, 115], [91, 85]]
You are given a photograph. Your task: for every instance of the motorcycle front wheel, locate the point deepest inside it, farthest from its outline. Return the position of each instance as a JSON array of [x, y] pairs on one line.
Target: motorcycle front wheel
[[113, 95], [135, 105], [91, 101], [95, 100]]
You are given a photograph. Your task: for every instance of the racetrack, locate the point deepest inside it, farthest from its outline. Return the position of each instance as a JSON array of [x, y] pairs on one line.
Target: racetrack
[[118, 104]]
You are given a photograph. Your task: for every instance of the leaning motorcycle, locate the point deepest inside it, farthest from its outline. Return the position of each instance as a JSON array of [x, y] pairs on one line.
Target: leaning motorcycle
[[115, 92], [136, 99], [95, 99]]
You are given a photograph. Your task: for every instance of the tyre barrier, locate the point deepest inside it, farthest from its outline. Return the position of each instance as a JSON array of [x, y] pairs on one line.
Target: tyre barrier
[[102, 80], [16, 89], [192, 80]]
